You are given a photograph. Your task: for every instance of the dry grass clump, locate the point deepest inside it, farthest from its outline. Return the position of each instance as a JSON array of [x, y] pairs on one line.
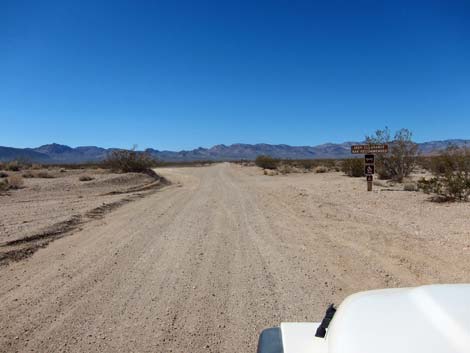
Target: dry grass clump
[[287, 166], [306, 164], [321, 169], [270, 172], [285, 169], [85, 178], [4, 186], [44, 174], [410, 187], [15, 181], [28, 174]]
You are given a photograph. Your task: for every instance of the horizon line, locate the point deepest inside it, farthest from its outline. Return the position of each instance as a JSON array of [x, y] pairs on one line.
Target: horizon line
[[227, 145]]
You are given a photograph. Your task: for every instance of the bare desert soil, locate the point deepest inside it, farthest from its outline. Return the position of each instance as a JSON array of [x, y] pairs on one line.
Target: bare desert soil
[[43, 202], [206, 263]]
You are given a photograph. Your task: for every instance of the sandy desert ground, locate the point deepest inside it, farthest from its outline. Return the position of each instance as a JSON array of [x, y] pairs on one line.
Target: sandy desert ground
[[43, 202], [206, 263]]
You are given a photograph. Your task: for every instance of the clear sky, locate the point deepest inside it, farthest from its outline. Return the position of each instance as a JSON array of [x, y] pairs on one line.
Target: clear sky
[[183, 74]]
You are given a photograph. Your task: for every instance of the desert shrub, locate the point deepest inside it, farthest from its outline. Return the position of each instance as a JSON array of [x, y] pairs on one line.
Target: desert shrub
[[85, 178], [353, 167], [28, 174], [438, 165], [36, 166], [321, 169], [129, 161], [424, 162], [452, 175], [401, 159], [453, 159], [4, 186], [307, 164], [62, 170], [435, 186], [13, 166], [3, 175], [271, 172], [409, 187], [285, 168], [266, 162], [329, 163], [337, 166], [44, 174], [15, 181]]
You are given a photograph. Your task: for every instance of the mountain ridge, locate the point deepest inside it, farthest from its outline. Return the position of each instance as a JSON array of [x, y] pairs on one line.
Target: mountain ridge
[[57, 153]]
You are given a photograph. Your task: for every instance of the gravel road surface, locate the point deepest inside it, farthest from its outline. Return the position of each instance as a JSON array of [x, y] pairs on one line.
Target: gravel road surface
[[204, 264]]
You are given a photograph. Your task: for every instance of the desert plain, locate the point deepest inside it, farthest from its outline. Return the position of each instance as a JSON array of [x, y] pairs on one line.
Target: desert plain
[[205, 262]]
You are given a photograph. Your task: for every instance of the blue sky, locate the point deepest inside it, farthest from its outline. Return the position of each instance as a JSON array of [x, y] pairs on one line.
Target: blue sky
[[183, 74]]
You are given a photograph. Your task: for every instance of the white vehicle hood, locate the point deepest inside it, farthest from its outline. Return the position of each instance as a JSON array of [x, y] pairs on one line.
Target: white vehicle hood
[[428, 319]]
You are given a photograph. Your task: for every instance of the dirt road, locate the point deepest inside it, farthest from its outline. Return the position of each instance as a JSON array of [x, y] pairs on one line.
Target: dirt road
[[205, 264]]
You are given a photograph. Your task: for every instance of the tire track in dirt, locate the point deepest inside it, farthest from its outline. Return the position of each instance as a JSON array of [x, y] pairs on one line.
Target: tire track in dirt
[[201, 266]]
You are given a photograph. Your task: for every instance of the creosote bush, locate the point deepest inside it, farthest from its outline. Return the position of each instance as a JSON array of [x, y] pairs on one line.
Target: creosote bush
[[451, 181], [306, 164], [401, 159], [13, 166], [129, 161], [266, 162], [353, 167]]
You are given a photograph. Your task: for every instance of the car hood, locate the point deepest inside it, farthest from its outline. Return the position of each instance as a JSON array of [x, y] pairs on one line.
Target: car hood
[[431, 319]]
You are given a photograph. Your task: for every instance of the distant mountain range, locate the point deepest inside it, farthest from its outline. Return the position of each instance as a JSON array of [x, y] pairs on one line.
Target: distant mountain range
[[55, 153]]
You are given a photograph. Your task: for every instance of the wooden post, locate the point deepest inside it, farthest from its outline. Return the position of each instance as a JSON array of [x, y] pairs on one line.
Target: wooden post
[[369, 159], [369, 169], [369, 182]]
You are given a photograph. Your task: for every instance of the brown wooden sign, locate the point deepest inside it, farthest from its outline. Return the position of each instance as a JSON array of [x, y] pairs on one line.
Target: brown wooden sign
[[371, 148], [369, 169], [369, 159]]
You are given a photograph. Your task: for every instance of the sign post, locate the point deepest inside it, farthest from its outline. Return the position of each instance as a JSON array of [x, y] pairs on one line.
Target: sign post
[[369, 159], [370, 178], [369, 169]]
